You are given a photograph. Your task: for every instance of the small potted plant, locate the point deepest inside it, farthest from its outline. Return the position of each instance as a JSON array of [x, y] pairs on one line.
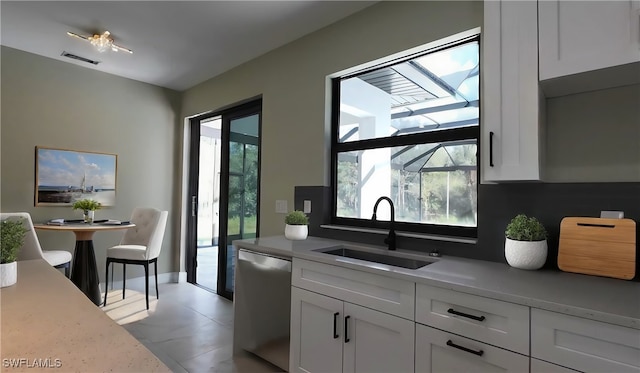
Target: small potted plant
[[525, 244], [297, 225], [11, 239], [88, 207]]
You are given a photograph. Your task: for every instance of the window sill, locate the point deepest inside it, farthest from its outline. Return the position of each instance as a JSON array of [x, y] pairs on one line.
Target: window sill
[[424, 236]]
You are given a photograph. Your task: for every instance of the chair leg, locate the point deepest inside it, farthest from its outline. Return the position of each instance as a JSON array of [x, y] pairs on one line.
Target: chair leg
[[155, 264], [124, 278], [111, 277], [106, 283], [146, 281]]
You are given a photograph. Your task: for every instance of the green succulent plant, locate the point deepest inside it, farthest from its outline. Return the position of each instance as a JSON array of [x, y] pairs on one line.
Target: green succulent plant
[[523, 228], [11, 239], [87, 205], [296, 218]]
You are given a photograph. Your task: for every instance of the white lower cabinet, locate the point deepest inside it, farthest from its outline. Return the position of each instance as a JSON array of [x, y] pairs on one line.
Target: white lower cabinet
[[438, 351], [314, 320], [329, 335], [497, 323], [337, 326], [582, 344]]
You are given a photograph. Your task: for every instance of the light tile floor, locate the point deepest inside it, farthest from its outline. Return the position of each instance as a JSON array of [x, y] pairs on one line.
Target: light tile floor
[[190, 329]]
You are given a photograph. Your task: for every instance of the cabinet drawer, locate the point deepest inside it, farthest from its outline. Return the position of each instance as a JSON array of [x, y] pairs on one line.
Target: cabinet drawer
[[390, 295], [582, 344], [495, 322], [438, 351]]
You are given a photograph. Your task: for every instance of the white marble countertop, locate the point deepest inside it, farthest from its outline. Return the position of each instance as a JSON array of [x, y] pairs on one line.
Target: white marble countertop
[[45, 319], [598, 298]]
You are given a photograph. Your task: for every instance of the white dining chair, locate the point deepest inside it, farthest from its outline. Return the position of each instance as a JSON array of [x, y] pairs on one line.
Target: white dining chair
[[31, 248], [140, 245]]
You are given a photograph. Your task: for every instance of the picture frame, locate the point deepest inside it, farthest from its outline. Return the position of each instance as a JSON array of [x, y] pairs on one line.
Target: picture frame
[[63, 176]]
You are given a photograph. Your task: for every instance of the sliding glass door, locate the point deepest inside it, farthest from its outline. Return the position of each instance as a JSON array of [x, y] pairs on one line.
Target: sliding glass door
[[237, 205], [241, 180]]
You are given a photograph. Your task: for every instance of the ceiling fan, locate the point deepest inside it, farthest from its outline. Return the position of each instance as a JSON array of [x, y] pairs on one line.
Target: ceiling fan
[[102, 42]]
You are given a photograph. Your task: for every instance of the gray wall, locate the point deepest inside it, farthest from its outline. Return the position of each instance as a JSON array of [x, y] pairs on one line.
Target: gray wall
[[293, 83], [55, 104], [594, 136]]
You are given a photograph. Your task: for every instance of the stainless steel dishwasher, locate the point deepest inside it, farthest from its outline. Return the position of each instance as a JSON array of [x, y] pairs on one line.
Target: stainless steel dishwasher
[[262, 306]]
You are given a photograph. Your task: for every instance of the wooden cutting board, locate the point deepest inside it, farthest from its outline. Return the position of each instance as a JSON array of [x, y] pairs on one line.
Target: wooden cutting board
[[595, 246]]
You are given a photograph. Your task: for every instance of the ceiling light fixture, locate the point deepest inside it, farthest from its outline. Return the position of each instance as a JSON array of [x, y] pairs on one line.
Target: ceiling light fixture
[[102, 42]]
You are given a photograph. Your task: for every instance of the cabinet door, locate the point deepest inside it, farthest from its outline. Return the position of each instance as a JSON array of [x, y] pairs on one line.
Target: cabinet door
[[377, 342], [511, 103], [314, 320], [438, 351], [580, 36]]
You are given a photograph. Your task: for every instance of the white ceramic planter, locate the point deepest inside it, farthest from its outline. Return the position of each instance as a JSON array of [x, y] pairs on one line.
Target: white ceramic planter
[[296, 232], [525, 254], [8, 274]]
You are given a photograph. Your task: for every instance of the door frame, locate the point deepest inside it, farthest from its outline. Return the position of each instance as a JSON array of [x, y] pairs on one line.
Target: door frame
[[247, 108], [192, 186]]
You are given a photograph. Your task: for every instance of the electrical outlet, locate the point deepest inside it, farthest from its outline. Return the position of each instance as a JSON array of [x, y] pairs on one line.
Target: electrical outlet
[[281, 206], [307, 206]]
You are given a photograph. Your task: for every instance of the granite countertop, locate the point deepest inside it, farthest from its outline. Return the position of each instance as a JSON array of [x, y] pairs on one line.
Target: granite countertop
[[47, 320], [598, 298]]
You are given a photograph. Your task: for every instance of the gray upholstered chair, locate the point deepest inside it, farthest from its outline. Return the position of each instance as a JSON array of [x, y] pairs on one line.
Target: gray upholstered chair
[[31, 248], [140, 245]]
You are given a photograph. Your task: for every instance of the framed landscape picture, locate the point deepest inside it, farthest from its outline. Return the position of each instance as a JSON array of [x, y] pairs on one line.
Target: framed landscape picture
[[65, 176]]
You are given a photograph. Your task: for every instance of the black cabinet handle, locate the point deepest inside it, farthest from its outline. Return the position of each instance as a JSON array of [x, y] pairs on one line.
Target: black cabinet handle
[[477, 318], [335, 325], [491, 149], [479, 352], [346, 329]]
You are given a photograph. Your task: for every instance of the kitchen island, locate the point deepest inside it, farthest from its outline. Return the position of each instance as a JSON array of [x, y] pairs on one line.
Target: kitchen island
[[47, 322]]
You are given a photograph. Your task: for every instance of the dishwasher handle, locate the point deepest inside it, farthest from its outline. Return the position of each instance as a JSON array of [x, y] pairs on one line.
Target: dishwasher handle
[[265, 261]]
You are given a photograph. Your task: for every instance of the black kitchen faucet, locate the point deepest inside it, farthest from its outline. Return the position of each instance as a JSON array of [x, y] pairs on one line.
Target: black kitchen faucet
[[391, 238]]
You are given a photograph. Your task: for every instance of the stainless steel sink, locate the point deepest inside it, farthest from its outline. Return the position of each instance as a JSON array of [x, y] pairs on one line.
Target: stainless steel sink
[[396, 261]]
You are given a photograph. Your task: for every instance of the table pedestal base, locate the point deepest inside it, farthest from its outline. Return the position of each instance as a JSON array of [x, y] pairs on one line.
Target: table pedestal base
[[84, 273]]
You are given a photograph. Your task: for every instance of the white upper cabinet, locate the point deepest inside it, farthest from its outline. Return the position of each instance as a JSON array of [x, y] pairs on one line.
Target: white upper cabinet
[[512, 105], [582, 36]]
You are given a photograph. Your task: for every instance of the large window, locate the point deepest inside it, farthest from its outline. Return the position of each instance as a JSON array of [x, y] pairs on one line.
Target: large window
[[409, 130]]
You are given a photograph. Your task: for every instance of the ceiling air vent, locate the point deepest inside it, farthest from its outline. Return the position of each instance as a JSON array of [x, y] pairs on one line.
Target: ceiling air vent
[[73, 56]]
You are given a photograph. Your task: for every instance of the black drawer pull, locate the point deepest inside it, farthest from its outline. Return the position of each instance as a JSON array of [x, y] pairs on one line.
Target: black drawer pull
[[479, 352], [335, 325], [477, 318], [491, 149], [346, 329]]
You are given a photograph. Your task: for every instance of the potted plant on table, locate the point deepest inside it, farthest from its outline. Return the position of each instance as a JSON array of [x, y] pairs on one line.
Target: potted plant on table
[[525, 244], [297, 225], [11, 239], [88, 207]]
